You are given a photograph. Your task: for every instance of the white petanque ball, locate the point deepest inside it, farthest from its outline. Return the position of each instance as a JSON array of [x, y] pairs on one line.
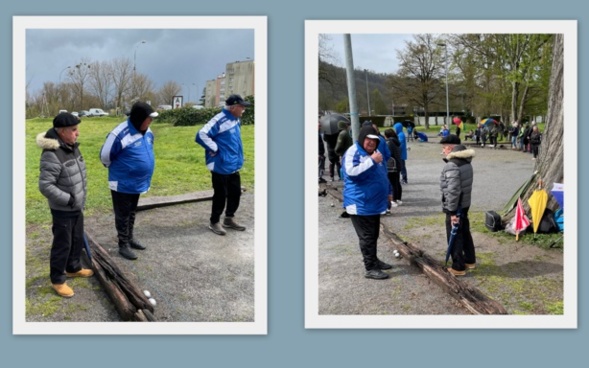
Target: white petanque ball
[[152, 301], [147, 293]]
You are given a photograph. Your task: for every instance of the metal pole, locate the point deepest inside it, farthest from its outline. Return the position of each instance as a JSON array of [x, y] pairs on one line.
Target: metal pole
[[447, 102], [367, 91], [354, 119]]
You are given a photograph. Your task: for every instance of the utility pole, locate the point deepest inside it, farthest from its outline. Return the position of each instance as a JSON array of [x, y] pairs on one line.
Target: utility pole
[[367, 91], [354, 119], [447, 102]]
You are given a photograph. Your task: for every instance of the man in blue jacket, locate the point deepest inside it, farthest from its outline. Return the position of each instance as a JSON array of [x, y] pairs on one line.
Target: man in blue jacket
[[403, 140], [366, 189], [128, 155], [221, 139]]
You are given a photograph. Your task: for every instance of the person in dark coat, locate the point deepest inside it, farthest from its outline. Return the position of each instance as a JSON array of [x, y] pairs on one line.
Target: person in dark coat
[[321, 157], [394, 166], [535, 140], [456, 187], [334, 161], [62, 180]]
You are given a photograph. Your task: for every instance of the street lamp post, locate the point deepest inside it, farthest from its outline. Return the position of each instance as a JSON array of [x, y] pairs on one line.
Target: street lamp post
[[135, 55], [367, 92], [447, 102]]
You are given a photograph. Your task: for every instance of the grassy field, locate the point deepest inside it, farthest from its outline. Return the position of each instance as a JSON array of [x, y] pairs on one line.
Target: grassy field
[[180, 165]]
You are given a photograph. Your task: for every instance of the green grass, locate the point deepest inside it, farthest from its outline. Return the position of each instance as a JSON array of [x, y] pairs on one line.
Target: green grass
[[180, 166]]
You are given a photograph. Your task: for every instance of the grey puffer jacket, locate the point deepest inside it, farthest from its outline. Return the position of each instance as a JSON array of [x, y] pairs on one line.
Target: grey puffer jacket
[[63, 173], [456, 179]]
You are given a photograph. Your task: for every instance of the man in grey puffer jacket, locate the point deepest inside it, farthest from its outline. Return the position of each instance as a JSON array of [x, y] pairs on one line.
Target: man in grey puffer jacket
[[456, 186], [63, 181]]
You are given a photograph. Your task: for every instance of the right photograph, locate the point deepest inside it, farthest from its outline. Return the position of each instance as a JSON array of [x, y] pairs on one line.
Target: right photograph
[[435, 194]]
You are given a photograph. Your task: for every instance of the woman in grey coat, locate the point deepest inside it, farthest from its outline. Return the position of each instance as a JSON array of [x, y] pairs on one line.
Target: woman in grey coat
[[62, 180]]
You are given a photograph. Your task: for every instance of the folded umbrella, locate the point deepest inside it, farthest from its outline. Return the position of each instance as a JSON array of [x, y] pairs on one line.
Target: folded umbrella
[[453, 234], [87, 247], [521, 220], [537, 202]]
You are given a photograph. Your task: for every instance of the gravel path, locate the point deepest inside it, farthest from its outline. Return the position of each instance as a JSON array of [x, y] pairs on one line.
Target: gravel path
[[503, 266]]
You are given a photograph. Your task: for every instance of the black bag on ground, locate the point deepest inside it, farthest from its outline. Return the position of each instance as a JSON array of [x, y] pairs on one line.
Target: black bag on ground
[[493, 221], [547, 224]]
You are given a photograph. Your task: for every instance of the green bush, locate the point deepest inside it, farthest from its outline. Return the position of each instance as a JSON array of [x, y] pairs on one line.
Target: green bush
[[188, 116]]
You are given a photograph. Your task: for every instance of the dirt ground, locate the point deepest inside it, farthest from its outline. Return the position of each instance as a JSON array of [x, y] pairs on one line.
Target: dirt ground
[[194, 274], [524, 278]]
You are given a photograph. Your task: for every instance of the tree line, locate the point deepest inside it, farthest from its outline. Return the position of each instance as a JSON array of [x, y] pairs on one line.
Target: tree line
[[503, 75], [112, 85]]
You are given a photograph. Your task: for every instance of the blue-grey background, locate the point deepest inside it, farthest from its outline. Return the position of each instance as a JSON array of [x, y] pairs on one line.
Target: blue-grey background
[[288, 343]]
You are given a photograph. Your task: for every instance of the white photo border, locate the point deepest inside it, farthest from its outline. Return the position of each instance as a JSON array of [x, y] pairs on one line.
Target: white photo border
[[20, 25], [568, 320]]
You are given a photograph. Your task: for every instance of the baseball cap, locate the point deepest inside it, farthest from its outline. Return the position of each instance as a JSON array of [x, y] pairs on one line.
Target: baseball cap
[[236, 100]]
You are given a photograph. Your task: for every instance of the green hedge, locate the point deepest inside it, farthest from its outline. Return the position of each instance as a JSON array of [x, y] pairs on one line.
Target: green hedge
[[188, 116]]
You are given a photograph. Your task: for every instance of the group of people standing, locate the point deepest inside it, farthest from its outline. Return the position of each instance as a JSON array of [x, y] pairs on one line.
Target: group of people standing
[[526, 138], [129, 156], [372, 174]]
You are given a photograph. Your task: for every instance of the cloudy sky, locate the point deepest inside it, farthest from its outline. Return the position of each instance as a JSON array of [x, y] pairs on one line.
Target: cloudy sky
[[187, 56], [375, 52]]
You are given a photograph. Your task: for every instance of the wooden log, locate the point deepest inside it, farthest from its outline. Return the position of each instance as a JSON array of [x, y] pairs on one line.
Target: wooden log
[[127, 297], [470, 297], [125, 309]]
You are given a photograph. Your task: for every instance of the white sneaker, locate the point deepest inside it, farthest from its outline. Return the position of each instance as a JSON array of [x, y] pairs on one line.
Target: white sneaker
[[393, 204], [399, 202]]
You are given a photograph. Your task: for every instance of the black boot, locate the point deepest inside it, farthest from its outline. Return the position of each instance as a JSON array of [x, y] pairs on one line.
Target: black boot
[[136, 245], [126, 252]]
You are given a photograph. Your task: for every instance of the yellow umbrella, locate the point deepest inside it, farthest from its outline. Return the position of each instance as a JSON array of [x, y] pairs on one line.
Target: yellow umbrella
[[537, 202]]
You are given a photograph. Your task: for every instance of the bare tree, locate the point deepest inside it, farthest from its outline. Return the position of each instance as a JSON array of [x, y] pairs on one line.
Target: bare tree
[[143, 87], [166, 94], [101, 82], [421, 69], [122, 73], [79, 75]]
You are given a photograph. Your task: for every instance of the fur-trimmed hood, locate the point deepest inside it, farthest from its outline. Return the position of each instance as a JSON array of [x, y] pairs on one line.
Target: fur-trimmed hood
[[461, 152], [49, 140]]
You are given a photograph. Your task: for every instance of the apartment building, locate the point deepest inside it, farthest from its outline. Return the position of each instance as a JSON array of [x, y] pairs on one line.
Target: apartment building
[[238, 78]]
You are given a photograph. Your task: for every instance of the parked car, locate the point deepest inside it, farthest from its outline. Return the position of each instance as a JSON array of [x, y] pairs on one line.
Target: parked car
[[75, 113], [60, 111], [97, 112], [83, 113], [164, 107]]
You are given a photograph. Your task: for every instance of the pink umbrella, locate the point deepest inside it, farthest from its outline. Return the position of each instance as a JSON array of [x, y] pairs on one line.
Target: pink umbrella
[[521, 220]]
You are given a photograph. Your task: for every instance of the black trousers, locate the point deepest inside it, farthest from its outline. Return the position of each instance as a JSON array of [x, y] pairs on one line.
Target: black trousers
[[227, 192], [463, 248], [367, 228], [68, 241], [395, 180], [125, 208], [334, 164], [403, 171]]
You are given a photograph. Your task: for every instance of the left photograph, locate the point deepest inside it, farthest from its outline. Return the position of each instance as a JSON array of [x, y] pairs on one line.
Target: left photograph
[[139, 175]]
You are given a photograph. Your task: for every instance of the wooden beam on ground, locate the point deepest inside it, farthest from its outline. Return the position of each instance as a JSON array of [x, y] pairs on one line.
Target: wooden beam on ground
[[470, 297], [148, 203], [129, 300]]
